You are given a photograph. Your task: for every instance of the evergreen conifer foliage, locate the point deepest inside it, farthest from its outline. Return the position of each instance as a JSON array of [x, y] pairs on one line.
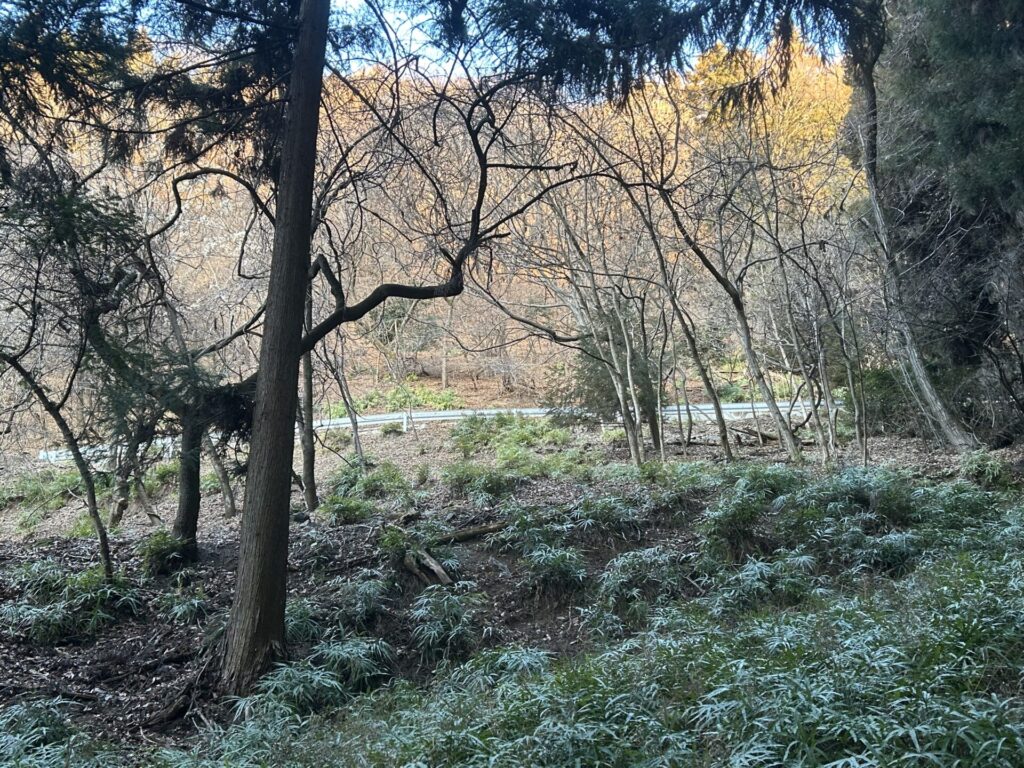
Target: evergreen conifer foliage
[[608, 46]]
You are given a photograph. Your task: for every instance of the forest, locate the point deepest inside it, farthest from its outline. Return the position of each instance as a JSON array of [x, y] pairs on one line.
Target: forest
[[511, 383]]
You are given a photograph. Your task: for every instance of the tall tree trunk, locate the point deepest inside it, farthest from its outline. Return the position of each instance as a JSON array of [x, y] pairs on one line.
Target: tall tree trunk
[[757, 374], [127, 469], [629, 423], [186, 521], [81, 463], [799, 343], [123, 488], [627, 401], [709, 389], [639, 391], [650, 407], [634, 440], [831, 410], [353, 417], [445, 343], [255, 634], [223, 478], [736, 298], [92, 505], [684, 322], [855, 384], [122, 498], [335, 363], [659, 399], [947, 425], [682, 400], [307, 435]]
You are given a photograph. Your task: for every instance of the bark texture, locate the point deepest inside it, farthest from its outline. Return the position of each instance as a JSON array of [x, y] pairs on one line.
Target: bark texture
[[186, 521], [255, 635]]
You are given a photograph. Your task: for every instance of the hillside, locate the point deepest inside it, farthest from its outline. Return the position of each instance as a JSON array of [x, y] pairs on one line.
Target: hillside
[[694, 612]]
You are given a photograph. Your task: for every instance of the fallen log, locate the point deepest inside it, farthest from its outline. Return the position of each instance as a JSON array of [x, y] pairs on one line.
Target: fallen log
[[754, 433], [415, 558], [435, 567], [468, 534]]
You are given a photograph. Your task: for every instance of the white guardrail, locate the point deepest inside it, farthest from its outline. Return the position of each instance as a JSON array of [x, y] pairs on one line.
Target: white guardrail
[[408, 419]]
